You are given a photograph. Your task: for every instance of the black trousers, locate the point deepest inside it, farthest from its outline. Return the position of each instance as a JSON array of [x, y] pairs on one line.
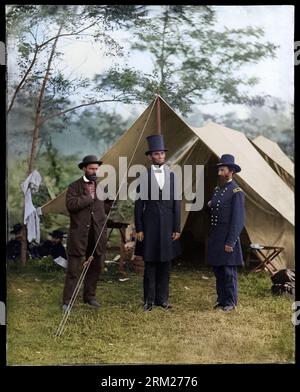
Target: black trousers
[[226, 284], [156, 282], [74, 270]]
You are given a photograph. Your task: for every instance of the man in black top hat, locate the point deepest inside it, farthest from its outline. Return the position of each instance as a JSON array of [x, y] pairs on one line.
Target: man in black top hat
[[227, 220], [157, 222], [87, 222]]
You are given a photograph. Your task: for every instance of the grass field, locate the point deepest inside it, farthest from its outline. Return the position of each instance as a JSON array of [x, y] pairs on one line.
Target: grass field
[[258, 331]]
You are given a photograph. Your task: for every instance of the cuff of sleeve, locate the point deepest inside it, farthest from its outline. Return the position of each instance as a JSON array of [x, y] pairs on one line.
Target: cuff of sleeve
[[231, 243]]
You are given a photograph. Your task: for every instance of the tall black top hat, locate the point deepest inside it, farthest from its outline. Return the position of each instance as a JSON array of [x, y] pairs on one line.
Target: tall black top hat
[[155, 143], [228, 160], [89, 159]]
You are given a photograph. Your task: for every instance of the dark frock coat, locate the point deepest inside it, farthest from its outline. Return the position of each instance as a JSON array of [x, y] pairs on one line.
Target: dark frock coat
[[84, 212], [158, 217], [227, 214]]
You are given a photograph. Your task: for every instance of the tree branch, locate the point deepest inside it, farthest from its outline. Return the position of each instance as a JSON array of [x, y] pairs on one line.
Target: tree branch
[[162, 57], [37, 123], [20, 85], [37, 49], [66, 35], [80, 106]]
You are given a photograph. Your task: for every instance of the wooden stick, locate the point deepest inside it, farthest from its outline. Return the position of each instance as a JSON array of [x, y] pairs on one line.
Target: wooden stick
[[158, 116]]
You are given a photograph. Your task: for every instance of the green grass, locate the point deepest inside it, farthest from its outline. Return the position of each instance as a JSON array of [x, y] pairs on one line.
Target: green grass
[[259, 331]]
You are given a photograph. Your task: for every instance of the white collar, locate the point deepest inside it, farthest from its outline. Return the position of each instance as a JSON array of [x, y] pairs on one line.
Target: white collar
[[85, 179], [155, 167]]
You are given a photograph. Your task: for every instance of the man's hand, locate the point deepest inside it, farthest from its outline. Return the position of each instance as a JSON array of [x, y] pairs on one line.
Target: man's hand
[[140, 236], [175, 236], [228, 249]]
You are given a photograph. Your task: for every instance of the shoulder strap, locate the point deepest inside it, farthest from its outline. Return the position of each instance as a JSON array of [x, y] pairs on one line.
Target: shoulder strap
[[238, 189]]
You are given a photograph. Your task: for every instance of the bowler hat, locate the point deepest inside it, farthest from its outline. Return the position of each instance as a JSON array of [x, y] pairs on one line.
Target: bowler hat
[[155, 143], [57, 234], [16, 228], [228, 160], [88, 160]]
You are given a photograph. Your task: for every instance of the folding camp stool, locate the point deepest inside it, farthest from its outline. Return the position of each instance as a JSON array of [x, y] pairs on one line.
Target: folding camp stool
[[266, 258]]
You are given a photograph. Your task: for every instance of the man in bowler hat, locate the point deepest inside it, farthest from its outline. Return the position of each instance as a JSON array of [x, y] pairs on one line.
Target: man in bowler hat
[[87, 220], [157, 221], [227, 213]]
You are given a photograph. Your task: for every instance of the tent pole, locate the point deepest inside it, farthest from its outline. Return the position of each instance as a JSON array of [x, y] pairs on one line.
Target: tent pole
[[158, 117]]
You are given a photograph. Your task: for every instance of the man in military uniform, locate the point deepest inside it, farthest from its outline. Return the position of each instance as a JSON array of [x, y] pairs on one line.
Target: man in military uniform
[[227, 220], [87, 221], [157, 222]]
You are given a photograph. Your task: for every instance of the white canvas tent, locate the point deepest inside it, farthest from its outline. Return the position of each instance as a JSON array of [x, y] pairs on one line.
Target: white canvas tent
[[276, 158], [269, 201]]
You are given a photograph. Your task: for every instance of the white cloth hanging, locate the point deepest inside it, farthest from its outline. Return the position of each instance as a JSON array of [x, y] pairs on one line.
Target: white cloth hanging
[[31, 214]]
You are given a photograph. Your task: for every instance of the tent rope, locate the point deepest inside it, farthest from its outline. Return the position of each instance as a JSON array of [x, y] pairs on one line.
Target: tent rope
[[87, 263]]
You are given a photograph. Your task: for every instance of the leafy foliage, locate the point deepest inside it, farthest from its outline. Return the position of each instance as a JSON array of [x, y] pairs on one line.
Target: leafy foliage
[[101, 127], [275, 120], [192, 60]]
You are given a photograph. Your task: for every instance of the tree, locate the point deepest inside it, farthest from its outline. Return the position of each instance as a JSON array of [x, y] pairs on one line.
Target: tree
[[38, 49], [39, 77], [193, 62], [101, 127], [274, 120]]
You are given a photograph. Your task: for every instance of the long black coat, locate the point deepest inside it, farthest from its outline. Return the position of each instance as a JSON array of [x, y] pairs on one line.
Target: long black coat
[[84, 210], [227, 221], [158, 219]]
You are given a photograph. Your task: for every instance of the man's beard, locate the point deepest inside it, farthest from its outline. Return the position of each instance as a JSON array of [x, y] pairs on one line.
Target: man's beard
[[91, 177], [158, 164], [222, 180]]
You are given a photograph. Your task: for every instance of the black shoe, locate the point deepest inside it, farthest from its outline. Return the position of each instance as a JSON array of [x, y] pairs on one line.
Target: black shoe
[[217, 305], [166, 306], [93, 302], [228, 308], [147, 307]]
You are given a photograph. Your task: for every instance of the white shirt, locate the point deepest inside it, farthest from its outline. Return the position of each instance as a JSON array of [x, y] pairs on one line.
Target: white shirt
[[160, 176], [91, 191]]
